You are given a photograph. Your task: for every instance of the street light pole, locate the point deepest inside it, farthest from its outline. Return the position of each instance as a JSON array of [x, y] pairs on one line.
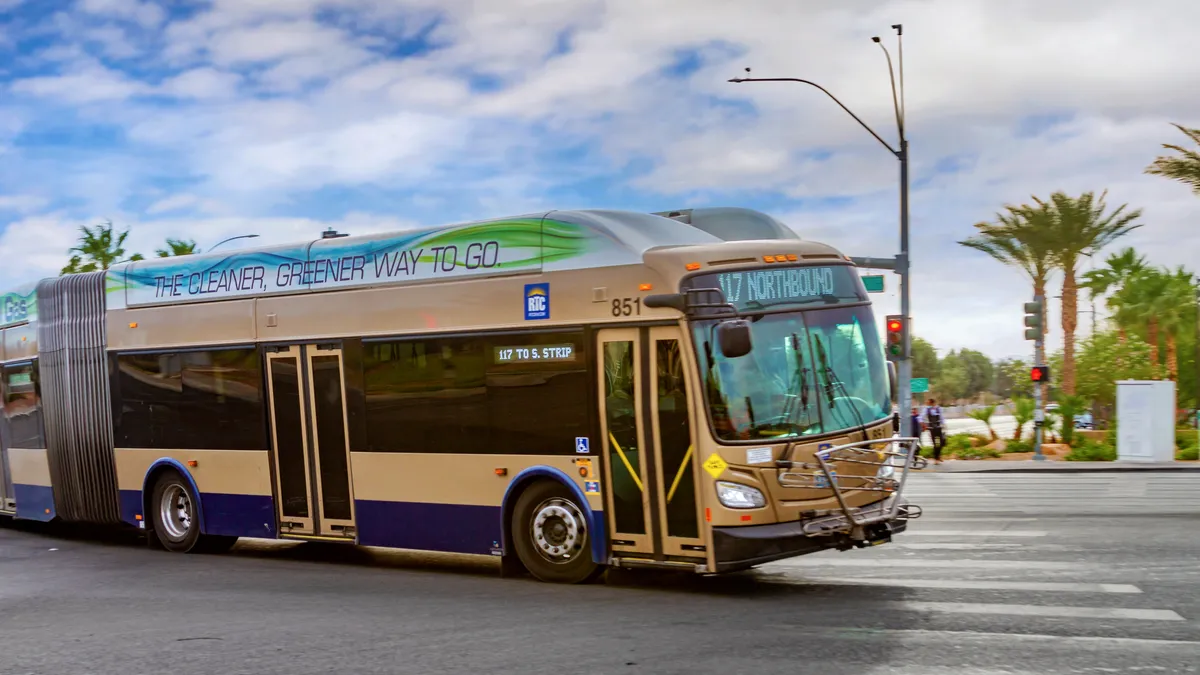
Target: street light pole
[[225, 241], [904, 365]]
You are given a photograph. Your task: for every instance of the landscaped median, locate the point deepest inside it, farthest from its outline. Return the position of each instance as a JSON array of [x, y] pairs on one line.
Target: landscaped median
[[1082, 446]]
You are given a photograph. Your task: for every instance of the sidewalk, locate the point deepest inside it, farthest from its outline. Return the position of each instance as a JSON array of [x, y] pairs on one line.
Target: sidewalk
[[976, 466]]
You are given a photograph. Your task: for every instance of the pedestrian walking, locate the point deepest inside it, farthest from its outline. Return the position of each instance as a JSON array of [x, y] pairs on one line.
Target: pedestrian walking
[[935, 423]]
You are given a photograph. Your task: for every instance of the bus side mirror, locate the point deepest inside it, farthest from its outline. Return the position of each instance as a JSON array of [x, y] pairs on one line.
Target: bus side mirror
[[893, 382], [668, 300], [733, 336]]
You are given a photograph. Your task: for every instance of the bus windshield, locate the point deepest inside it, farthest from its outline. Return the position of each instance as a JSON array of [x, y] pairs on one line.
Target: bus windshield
[[809, 372]]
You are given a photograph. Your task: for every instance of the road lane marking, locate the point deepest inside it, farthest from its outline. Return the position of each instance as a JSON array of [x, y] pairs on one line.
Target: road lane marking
[[885, 564], [975, 533], [976, 585], [1059, 611], [935, 518], [960, 636], [953, 546]]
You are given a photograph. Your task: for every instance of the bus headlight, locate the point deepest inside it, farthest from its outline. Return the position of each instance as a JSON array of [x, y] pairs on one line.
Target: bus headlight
[[737, 496]]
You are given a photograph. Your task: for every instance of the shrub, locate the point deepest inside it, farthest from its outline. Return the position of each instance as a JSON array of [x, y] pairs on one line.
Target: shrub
[[1090, 451], [958, 442], [976, 453], [1191, 453], [1018, 446], [1185, 438]]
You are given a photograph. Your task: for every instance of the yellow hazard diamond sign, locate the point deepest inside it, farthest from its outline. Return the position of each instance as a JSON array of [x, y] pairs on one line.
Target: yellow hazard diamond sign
[[715, 465]]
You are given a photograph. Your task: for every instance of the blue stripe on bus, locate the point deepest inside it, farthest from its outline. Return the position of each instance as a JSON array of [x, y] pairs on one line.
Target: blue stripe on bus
[[34, 502], [452, 528], [224, 514]]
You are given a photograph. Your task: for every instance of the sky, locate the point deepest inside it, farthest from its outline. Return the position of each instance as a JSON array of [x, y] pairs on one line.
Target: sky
[[205, 120]]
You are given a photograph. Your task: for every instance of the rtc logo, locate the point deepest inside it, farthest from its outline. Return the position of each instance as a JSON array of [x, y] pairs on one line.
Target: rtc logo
[[537, 301]]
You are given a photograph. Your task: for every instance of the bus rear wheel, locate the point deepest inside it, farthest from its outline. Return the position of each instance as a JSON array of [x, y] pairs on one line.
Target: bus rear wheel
[[551, 534], [175, 509]]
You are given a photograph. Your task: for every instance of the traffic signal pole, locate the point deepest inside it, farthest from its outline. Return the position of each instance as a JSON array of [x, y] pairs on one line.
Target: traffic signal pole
[[1035, 309]]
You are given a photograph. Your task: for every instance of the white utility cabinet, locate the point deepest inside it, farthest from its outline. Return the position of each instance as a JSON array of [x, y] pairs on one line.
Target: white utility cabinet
[[1146, 421]]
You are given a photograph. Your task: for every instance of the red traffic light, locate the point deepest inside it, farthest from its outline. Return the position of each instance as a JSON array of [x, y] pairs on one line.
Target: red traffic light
[[894, 326], [1039, 374]]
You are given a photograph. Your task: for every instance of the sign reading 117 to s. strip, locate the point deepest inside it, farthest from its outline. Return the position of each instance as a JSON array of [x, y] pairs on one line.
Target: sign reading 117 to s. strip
[[873, 283], [920, 385]]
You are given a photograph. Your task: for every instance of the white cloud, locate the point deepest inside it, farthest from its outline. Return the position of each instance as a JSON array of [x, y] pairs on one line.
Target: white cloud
[[22, 203], [183, 202], [84, 82], [202, 83], [147, 14]]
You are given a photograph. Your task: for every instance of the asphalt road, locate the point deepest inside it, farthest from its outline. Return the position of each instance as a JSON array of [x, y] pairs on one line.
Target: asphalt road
[[1011, 573]]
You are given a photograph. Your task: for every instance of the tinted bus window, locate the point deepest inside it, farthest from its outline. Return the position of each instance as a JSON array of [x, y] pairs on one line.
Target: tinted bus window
[[515, 394], [190, 401], [23, 406]]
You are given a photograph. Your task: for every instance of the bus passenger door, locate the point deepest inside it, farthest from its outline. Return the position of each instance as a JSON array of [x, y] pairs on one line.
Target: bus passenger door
[[650, 463], [310, 441]]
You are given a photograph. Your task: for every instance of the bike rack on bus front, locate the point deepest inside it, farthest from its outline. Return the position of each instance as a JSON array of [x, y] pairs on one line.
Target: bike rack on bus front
[[898, 453]]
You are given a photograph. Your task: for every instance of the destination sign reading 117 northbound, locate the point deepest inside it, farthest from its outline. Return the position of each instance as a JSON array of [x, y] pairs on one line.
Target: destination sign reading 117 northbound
[[532, 354]]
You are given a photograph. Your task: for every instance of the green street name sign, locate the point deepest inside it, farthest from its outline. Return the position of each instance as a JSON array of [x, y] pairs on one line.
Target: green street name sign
[[873, 283], [920, 385]]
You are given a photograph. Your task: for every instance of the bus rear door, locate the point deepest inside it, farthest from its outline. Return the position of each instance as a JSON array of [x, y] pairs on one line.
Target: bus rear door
[[310, 442]]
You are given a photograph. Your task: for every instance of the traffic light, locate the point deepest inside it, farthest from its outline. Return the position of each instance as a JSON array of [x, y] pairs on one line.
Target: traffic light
[[1033, 320], [1039, 374], [895, 324]]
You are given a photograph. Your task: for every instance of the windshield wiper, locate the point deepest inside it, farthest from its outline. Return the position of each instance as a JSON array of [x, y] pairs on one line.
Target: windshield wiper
[[830, 378], [800, 377]]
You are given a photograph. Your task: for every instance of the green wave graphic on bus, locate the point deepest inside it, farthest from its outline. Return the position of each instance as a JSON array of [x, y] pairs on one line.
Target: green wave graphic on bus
[[544, 240]]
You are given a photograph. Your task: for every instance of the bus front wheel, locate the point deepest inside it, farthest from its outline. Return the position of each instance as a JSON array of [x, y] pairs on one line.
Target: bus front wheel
[[551, 534]]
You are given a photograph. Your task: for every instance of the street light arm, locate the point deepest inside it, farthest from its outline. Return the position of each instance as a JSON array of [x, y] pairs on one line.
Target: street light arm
[[895, 98], [835, 100], [224, 241]]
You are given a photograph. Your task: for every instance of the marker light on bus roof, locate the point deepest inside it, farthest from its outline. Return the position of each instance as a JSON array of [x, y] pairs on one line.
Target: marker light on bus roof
[[692, 267], [768, 258], [791, 257], [645, 287]]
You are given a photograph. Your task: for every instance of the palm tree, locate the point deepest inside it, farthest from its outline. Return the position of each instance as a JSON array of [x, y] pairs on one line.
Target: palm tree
[[1017, 239], [984, 415], [1023, 408], [1079, 227], [1186, 167], [178, 247], [1118, 270], [1141, 299], [1175, 305], [98, 249]]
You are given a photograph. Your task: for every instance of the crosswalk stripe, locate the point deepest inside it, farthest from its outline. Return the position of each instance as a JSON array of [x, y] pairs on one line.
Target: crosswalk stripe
[[952, 519], [953, 546], [884, 564], [1061, 611], [976, 585], [974, 533], [959, 637]]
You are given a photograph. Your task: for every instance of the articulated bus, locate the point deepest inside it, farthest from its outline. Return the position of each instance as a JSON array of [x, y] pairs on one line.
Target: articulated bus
[[570, 391]]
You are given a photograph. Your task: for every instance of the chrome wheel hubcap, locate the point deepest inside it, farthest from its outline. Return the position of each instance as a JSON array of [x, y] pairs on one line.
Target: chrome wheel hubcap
[[558, 530], [175, 512]]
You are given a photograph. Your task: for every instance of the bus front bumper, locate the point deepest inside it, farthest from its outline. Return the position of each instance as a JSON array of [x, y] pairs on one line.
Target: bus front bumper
[[738, 548]]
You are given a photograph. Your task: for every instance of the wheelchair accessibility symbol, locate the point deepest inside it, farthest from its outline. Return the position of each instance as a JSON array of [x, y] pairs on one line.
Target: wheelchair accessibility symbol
[[582, 445]]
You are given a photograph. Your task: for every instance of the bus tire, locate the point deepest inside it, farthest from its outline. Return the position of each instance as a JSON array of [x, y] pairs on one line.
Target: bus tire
[[175, 510], [552, 535]]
